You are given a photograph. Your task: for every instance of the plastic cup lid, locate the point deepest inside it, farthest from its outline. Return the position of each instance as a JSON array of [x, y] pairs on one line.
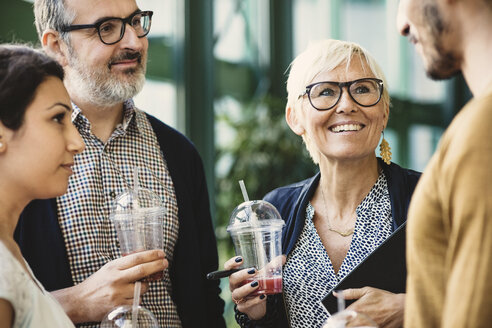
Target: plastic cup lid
[[133, 200], [255, 214]]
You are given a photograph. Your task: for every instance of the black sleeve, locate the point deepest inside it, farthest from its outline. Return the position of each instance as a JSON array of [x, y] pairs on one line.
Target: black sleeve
[[207, 248], [40, 239], [275, 316]]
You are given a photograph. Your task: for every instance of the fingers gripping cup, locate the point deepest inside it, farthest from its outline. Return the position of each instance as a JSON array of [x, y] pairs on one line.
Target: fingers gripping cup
[[256, 231], [138, 216]]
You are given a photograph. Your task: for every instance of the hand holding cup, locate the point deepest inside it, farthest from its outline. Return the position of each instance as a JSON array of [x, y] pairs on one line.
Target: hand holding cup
[[242, 292], [138, 216], [113, 284]]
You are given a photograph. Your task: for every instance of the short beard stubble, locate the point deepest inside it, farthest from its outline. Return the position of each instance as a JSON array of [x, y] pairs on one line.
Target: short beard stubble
[[442, 63]]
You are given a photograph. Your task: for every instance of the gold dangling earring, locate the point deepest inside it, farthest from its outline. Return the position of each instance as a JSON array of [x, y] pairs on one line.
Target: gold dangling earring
[[385, 151]]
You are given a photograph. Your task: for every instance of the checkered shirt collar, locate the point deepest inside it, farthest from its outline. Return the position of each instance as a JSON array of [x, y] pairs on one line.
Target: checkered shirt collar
[[129, 118]]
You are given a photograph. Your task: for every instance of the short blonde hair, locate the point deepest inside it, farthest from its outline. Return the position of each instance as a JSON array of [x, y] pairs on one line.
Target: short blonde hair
[[323, 56]]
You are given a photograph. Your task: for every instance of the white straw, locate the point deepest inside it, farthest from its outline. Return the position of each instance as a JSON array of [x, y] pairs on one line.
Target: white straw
[[253, 219], [135, 186], [340, 300], [243, 190], [136, 301], [138, 284], [139, 240]]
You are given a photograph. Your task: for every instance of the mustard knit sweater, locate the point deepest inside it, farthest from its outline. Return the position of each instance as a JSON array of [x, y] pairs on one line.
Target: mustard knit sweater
[[449, 234]]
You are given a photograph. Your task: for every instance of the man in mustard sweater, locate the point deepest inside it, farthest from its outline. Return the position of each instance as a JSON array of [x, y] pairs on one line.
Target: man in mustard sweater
[[449, 230]]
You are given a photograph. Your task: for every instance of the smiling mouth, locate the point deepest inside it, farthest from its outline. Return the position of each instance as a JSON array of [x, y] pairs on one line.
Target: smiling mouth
[[127, 64], [346, 127], [126, 59], [133, 61], [68, 166]]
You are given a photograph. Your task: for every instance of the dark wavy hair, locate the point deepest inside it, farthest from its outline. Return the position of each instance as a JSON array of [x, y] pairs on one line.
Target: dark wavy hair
[[22, 70]]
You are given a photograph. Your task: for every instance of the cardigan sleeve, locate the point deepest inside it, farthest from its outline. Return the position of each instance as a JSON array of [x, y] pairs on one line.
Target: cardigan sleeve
[[195, 253]]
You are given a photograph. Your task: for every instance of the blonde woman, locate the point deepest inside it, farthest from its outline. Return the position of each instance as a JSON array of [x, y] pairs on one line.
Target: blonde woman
[[338, 103]]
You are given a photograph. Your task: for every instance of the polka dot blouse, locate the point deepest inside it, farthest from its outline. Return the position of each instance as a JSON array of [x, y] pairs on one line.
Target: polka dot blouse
[[308, 273]]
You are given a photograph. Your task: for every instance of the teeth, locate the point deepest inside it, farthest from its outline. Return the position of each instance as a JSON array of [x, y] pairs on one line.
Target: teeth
[[346, 127]]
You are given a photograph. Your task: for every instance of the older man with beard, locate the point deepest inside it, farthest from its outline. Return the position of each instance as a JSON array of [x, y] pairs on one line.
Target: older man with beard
[[449, 230], [69, 241]]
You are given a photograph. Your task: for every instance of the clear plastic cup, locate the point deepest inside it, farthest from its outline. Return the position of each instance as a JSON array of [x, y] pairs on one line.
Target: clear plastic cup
[[138, 216], [122, 317], [348, 318], [256, 231]]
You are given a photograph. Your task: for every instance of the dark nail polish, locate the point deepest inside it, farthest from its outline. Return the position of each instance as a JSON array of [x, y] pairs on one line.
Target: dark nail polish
[[262, 296], [254, 284], [238, 259], [251, 271]]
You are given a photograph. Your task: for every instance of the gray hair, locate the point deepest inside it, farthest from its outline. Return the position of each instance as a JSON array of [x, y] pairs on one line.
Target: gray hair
[[323, 56], [52, 14]]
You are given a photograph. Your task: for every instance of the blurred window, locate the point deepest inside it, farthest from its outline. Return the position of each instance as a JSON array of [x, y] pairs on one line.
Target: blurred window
[[158, 96]]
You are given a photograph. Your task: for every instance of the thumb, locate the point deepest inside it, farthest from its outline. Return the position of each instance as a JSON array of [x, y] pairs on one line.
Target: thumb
[[350, 294]]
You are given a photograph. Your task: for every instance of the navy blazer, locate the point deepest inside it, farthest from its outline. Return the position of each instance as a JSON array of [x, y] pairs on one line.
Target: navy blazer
[[197, 299], [291, 201]]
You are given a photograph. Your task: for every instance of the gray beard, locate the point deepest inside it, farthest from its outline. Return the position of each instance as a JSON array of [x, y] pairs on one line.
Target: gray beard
[[98, 87]]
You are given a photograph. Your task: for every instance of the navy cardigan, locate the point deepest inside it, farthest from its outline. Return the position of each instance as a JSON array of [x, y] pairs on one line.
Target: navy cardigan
[[291, 201], [197, 299]]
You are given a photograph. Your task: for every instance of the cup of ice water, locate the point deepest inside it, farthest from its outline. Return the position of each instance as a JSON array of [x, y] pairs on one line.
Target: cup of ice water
[[138, 216], [256, 231], [348, 318], [122, 317]]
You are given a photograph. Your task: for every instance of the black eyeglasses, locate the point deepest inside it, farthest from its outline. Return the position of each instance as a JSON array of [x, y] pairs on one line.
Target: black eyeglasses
[[325, 95], [111, 30]]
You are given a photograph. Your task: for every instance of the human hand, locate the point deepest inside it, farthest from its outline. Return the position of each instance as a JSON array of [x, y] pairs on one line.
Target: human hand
[[385, 308], [253, 306], [111, 286]]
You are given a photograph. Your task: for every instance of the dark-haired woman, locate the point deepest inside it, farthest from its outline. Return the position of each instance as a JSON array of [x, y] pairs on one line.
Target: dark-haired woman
[[37, 146]]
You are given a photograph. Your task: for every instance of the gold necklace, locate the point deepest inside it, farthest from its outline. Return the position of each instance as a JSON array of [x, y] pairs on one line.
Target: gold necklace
[[345, 233]]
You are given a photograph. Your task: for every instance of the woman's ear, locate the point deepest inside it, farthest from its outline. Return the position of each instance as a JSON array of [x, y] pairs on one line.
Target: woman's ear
[[55, 47], [293, 121], [3, 139]]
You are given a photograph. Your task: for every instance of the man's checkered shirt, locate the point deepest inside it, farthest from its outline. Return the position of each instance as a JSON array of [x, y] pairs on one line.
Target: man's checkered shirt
[[101, 172]]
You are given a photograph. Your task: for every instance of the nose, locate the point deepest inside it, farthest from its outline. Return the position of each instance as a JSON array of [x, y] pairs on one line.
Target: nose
[[75, 144], [346, 104], [130, 39], [401, 19]]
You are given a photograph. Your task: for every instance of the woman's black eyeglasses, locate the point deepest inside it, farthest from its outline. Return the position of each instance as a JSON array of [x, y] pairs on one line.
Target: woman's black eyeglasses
[[325, 95]]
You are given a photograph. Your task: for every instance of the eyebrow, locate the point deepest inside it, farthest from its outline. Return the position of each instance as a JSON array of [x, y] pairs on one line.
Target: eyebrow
[[60, 104], [112, 17]]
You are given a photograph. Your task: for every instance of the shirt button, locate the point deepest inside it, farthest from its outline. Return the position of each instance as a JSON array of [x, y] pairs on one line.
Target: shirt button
[[112, 194]]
